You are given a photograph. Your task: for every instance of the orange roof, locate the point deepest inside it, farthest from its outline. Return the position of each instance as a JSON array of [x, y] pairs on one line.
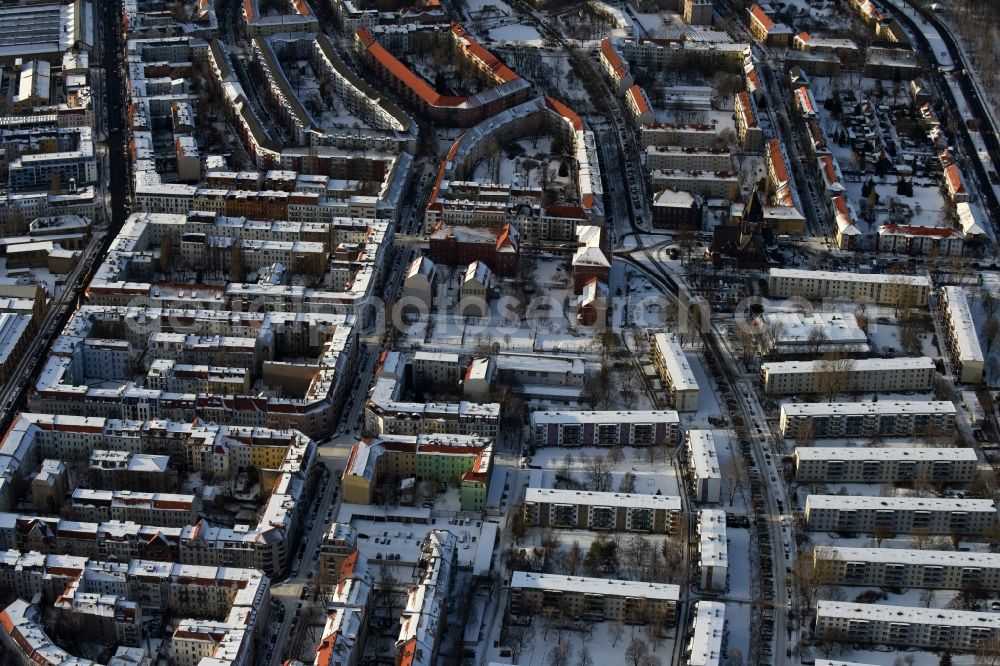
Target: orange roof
[[324, 652], [762, 18], [913, 230], [248, 8], [803, 36], [575, 212], [611, 55], [777, 161], [501, 70], [635, 93], [829, 169], [564, 111], [802, 96], [841, 205], [301, 7], [408, 652], [954, 178], [749, 120]]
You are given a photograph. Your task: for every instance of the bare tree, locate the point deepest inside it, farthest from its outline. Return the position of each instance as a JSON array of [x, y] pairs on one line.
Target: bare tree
[[991, 329], [598, 471], [615, 631], [636, 650], [519, 638], [560, 654], [833, 376]]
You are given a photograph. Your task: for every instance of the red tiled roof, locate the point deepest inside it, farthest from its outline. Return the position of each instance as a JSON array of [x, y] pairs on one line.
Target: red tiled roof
[[954, 177], [762, 18], [914, 230], [635, 92], [611, 55], [564, 111], [777, 161]]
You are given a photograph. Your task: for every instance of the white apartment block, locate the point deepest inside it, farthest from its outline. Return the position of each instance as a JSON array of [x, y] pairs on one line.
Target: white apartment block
[[675, 371], [966, 351], [862, 287], [685, 159], [904, 625], [906, 567], [589, 510], [606, 428], [842, 464], [595, 599], [713, 550], [885, 418], [899, 515], [705, 646], [703, 466], [869, 375]]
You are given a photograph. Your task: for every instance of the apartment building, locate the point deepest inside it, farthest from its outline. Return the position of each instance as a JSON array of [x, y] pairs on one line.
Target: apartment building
[[606, 428], [908, 567], [339, 543], [713, 550], [966, 352], [462, 460], [674, 370], [703, 466], [912, 627], [615, 67], [881, 288], [595, 599], [885, 418], [868, 375], [899, 515], [705, 647], [616, 512], [841, 464], [767, 30], [748, 129]]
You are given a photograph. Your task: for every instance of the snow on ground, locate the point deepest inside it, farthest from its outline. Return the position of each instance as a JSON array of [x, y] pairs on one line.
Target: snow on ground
[[650, 478], [516, 32], [599, 642]]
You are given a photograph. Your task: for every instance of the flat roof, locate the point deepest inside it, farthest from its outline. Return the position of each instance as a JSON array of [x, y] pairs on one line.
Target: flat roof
[[606, 417], [857, 365], [845, 453], [713, 545], [836, 276], [676, 361], [704, 457], [962, 326], [875, 503], [602, 586], [593, 498], [949, 558], [868, 408], [839, 327], [706, 642], [908, 614]]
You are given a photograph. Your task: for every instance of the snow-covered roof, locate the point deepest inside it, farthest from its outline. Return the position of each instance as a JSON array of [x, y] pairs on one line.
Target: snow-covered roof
[[908, 614], [706, 641], [876, 503], [793, 409], [914, 556], [837, 276], [602, 586], [593, 498], [702, 454], [961, 324], [676, 362], [605, 417], [846, 453], [857, 365]]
